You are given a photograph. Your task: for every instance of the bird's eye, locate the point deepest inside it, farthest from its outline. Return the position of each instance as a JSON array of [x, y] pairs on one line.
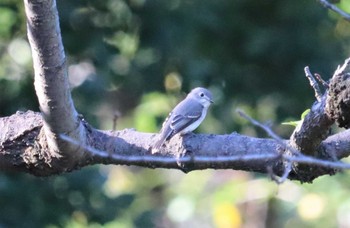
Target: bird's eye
[[201, 94]]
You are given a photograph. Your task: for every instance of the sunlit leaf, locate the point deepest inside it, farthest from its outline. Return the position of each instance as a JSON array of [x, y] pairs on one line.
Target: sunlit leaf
[[226, 215], [296, 123]]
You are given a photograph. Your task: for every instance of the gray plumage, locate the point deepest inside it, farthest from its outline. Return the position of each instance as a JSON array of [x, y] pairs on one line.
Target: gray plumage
[[186, 116]]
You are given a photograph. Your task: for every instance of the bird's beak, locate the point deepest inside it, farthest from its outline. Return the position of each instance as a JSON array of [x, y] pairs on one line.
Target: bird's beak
[[211, 101]]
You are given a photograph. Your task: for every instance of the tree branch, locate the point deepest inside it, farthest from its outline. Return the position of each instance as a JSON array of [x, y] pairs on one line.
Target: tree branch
[[51, 82], [313, 84], [21, 150], [334, 8], [314, 128]]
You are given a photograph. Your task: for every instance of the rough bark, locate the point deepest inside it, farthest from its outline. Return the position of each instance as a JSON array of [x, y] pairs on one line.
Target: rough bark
[[51, 82], [339, 98], [333, 106]]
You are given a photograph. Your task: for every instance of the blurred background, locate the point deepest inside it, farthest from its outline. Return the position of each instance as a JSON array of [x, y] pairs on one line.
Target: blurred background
[[137, 59]]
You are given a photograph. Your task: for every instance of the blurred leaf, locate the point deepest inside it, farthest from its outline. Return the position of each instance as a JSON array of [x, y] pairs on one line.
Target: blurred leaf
[[7, 20], [226, 215], [311, 206], [126, 43], [344, 5], [296, 123], [153, 105]]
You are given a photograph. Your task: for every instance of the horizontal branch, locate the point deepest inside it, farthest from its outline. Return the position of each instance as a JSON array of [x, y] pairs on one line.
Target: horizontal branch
[[199, 151], [23, 151], [196, 161]]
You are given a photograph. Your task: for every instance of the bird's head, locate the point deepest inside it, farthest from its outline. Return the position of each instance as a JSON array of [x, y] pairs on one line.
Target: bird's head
[[202, 95]]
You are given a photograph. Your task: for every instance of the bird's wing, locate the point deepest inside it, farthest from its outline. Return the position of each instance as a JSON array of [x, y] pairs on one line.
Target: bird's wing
[[176, 122], [180, 122]]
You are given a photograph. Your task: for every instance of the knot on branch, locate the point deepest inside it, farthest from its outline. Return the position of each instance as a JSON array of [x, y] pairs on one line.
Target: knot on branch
[[338, 107]]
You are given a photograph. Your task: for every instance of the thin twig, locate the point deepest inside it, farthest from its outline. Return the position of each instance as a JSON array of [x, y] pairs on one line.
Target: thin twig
[[287, 170], [262, 126], [341, 69], [268, 131], [313, 83], [288, 167], [330, 6], [320, 79], [318, 162], [283, 178]]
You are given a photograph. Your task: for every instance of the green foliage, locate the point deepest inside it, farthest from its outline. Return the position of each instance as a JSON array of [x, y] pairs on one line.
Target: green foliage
[[139, 58], [344, 5], [296, 123]]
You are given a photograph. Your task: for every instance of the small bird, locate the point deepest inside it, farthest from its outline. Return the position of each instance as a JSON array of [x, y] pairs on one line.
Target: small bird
[[186, 116]]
